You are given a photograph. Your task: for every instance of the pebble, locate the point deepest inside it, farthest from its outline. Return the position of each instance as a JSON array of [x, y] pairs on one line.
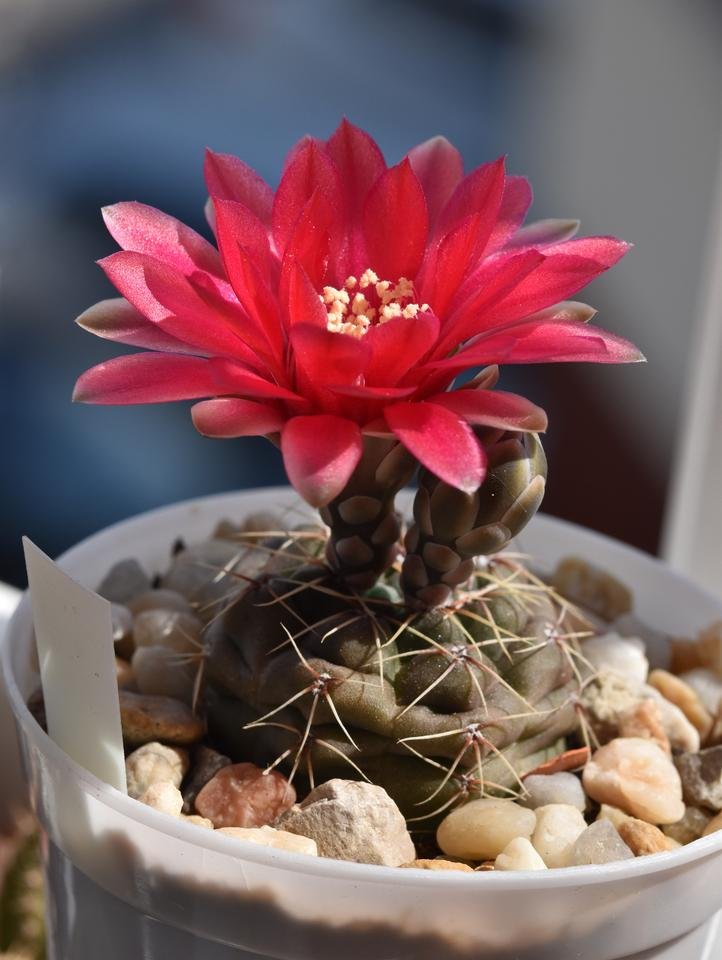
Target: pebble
[[637, 776], [351, 820], [154, 763], [690, 827], [519, 854], [645, 720], [242, 795], [707, 685], [123, 674], [643, 838], [158, 599], [271, 837], [145, 718], [163, 672], [205, 764], [610, 696], [713, 826], [553, 788], [176, 630], [203, 573], [685, 697], [124, 581], [613, 814], [440, 865], [599, 843], [705, 651], [163, 796], [197, 821], [481, 829], [623, 655], [557, 827], [701, 775], [122, 623], [592, 588]]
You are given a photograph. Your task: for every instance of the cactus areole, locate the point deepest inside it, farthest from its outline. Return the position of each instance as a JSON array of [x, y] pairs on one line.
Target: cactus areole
[[333, 316]]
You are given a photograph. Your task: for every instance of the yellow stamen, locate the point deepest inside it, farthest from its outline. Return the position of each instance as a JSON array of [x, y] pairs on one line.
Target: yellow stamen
[[381, 301]]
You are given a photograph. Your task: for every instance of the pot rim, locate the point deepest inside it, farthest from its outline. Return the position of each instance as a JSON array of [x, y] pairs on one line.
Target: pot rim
[[319, 866]]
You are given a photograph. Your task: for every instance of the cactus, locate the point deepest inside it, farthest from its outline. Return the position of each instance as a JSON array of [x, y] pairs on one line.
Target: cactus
[[434, 703]]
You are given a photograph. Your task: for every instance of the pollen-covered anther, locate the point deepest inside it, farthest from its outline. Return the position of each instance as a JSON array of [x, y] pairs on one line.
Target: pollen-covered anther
[[374, 302]]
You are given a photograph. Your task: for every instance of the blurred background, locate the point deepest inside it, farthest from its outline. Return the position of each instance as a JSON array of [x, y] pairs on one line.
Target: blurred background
[[611, 107]]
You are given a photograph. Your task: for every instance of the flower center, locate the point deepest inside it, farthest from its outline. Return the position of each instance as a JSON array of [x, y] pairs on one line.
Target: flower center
[[365, 301]]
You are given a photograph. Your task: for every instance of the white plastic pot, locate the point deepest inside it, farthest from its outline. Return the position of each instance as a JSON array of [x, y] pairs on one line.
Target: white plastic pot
[[127, 882]]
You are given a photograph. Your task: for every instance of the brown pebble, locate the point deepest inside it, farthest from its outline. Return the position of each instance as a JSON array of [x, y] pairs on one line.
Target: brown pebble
[[123, 674], [242, 795], [705, 651], [569, 760], [439, 865], [592, 588], [683, 696], [485, 866], [145, 718], [643, 838], [645, 720], [713, 826], [205, 764]]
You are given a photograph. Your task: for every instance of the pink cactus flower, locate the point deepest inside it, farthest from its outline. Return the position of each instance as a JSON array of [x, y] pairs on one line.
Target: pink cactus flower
[[345, 303]]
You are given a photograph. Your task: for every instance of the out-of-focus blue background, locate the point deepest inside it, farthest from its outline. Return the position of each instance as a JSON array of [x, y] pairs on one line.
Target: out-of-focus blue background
[[611, 107]]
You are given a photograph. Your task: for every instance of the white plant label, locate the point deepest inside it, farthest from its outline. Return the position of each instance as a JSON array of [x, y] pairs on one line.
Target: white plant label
[[74, 635]]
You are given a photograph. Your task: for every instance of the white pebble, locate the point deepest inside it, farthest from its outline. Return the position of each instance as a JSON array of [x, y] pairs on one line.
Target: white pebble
[[622, 655], [270, 837], [197, 821], [599, 843], [557, 827], [542, 789], [154, 763], [165, 797], [637, 776], [615, 816], [481, 829], [519, 854]]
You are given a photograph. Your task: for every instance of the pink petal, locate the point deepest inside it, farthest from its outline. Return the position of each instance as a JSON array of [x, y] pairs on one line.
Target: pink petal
[[360, 163], [320, 453], [396, 223], [157, 378], [604, 250], [229, 417], [399, 345], [439, 168], [229, 178], [143, 229], [543, 232], [493, 408], [544, 342], [120, 322], [168, 299], [440, 441], [309, 170], [515, 202]]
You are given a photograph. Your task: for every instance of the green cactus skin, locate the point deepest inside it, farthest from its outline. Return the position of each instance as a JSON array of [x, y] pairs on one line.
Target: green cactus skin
[[434, 705]]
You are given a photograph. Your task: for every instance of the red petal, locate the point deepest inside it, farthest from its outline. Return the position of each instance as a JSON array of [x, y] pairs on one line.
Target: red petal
[[399, 345], [515, 202], [320, 453], [493, 408], [309, 243], [120, 322], [396, 223], [309, 170], [143, 229], [303, 302], [323, 357], [229, 417], [479, 192], [543, 232], [237, 226], [229, 178], [604, 250], [545, 342], [160, 377], [372, 393], [263, 328], [439, 167], [360, 163], [441, 441], [168, 299]]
